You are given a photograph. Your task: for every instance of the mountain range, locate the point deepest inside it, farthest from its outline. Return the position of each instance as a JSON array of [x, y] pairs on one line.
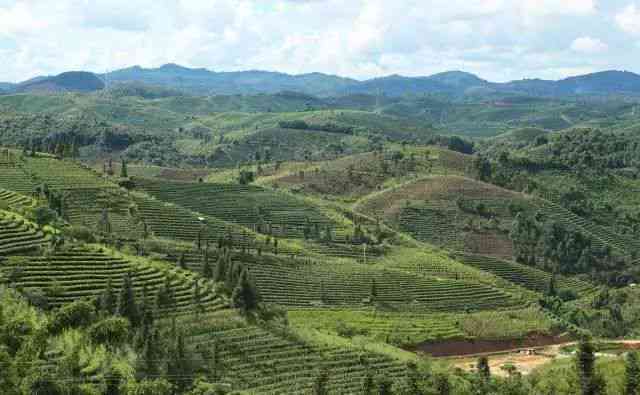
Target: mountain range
[[199, 81]]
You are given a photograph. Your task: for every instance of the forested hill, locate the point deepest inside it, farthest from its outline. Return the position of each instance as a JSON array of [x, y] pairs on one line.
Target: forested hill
[[200, 81]]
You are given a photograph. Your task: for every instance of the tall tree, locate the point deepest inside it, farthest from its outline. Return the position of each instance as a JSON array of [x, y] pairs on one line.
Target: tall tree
[[182, 261], [632, 374], [108, 299], [123, 169], [127, 306], [207, 270], [484, 371], [245, 295], [590, 382]]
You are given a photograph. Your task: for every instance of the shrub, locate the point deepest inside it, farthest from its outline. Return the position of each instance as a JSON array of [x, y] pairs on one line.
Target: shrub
[[74, 315], [112, 331], [44, 215], [81, 233]]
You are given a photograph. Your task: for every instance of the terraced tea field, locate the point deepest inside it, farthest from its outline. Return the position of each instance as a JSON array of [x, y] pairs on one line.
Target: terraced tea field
[[84, 273], [15, 201], [263, 361], [257, 208], [408, 329], [19, 236], [528, 277], [304, 284]]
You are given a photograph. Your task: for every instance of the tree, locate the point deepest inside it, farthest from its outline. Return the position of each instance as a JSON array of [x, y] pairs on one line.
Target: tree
[[207, 270], [384, 385], [632, 374], [443, 387], [179, 368], [321, 382], [590, 382], [221, 267], [127, 307], [78, 314], [482, 168], [123, 169], [245, 295], [374, 290], [182, 261], [108, 299], [484, 371], [112, 331], [164, 297], [44, 215], [551, 287]]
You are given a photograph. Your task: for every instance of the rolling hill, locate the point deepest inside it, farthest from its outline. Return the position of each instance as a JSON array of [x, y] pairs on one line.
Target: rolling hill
[[200, 81], [72, 81]]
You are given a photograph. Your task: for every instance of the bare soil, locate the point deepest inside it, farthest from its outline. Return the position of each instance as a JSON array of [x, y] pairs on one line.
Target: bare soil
[[462, 347]]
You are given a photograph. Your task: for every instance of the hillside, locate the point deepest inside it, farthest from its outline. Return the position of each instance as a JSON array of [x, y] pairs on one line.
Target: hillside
[[267, 243], [72, 81], [454, 84]]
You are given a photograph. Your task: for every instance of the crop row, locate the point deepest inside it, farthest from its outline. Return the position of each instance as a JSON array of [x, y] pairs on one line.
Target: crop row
[[80, 273]]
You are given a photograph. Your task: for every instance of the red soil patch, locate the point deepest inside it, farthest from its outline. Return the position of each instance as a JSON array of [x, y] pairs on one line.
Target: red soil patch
[[489, 243], [450, 348]]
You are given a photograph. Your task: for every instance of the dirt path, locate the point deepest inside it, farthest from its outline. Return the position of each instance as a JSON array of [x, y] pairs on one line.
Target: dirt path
[[527, 359]]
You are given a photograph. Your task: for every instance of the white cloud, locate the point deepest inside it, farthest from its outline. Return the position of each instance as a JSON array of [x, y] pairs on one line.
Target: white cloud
[[588, 45], [498, 39], [558, 7], [628, 19]]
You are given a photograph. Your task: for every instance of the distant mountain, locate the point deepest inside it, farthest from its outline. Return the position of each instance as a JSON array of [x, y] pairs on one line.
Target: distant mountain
[[397, 85], [6, 87], [601, 83], [205, 82], [176, 79], [72, 81]]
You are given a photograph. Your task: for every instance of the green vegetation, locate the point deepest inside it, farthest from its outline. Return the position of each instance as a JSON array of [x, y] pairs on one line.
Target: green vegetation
[[156, 242]]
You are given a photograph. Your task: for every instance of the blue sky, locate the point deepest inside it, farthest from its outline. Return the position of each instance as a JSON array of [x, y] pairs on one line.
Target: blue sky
[[497, 39]]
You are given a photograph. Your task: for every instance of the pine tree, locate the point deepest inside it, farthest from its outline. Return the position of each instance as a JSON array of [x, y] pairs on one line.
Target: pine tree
[[164, 297], [231, 276], [179, 368], [182, 261], [374, 290], [221, 267], [590, 382], [151, 353], [245, 295], [127, 307], [123, 169], [551, 287], [632, 374], [108, 299], [207, 270]]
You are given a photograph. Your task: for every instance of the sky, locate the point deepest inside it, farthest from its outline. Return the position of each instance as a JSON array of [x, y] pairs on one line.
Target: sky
[[498, 40]]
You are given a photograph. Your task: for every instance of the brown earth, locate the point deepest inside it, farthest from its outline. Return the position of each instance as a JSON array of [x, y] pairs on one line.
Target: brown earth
[[460, 347], [489, 243]]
